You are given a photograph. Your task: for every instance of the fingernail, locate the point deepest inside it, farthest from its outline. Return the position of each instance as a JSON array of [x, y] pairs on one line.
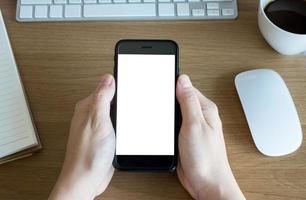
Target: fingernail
[[185, 81], [106, 80]]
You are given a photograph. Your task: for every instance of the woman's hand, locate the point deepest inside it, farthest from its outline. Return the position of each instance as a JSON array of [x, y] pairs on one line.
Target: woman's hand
[[87, 169], [203, 169]]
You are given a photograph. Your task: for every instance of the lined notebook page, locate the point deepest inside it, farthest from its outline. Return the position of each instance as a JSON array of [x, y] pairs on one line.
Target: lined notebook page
[[16, 129]]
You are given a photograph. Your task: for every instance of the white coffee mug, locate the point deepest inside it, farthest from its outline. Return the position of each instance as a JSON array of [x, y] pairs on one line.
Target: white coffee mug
[[282, 41]]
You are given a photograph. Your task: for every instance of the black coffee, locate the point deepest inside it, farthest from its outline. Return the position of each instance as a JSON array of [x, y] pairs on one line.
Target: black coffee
[[289, 15]]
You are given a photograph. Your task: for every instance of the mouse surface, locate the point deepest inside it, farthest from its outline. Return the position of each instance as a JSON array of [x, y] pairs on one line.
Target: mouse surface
[[270, 112]]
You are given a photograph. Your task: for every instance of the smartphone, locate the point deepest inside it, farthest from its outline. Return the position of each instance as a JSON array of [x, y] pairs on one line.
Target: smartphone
[[145, 112]]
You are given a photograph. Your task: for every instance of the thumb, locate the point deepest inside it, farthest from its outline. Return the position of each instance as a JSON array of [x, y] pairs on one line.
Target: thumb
[[188, 100], [102, 98]]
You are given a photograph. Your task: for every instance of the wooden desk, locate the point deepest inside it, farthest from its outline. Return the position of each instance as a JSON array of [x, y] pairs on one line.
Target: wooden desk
[[61, 63]]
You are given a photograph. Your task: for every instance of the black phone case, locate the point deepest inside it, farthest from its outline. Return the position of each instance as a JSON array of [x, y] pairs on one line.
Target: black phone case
[[178, 117]]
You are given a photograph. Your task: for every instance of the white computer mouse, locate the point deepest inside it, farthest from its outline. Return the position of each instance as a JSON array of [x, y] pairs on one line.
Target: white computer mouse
[[270, 112]]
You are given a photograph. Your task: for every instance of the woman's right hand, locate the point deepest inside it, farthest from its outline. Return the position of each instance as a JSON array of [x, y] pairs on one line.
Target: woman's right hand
[[203, 167]]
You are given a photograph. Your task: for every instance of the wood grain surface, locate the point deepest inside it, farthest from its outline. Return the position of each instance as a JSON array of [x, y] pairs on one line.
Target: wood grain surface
[[60, 63]]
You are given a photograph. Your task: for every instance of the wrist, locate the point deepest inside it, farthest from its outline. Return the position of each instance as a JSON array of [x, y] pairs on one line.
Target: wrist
[[72, 186], [221, 192], [222, 187], [65, 192]]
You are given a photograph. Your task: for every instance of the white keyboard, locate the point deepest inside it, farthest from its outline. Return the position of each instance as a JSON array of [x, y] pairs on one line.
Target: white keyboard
[[77, 10]]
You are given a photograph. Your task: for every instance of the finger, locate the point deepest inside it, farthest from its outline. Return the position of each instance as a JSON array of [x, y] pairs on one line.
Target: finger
[[102, 98], [81, 112], [83, 105], [188, 100], [209, 109]]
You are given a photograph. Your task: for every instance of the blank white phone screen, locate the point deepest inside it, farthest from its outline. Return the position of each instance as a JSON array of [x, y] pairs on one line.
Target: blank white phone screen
[[145, 104]]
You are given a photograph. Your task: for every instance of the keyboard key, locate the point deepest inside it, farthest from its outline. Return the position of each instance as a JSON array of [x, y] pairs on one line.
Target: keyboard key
[[227, 12], [105, 1], [56, 11], [41, 12], [60, 1], [166, 9], [120, 10], [217, 0], [212, 5], [119, 1], [26, 12], [178, 1], [73, 11], [134, 1], [164, 1], [90, 1], [149, 1], [35, 2], [213, 12], [75, 1], [182, 9], [198, 12]]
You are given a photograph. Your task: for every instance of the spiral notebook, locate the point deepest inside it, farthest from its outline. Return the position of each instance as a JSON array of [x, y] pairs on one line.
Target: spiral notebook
[[18, 136]]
